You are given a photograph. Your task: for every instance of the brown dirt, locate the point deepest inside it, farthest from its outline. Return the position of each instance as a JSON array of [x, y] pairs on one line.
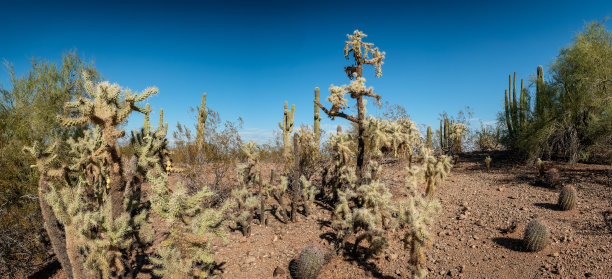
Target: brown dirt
[[477, 234]]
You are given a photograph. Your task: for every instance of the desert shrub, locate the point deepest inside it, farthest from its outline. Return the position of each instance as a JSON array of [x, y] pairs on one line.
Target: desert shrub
[[487, 139], [567, 198], [572, 113], [27, 114], [536, 236]]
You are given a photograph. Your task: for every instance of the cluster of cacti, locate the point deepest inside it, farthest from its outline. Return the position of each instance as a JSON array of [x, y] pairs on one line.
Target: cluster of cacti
[[435, 169], [567, 198], [251, 194], [202, 116], [418, 212], [341, 175], [488, 163], [310, 261], [287, 126], [95, 194], [357, 90], [536, 236], [487, 139], [515, 110], [451, 136]]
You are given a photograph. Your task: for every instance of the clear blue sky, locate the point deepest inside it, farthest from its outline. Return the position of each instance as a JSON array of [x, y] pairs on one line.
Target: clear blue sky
[[251, 56]]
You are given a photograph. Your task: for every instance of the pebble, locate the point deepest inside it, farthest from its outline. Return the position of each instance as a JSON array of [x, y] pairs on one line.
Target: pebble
[[278, 271]]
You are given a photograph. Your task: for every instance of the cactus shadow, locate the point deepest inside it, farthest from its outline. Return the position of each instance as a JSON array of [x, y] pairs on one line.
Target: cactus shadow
[[547, 205], [607, 215], [47, 270], [362, 262], [513, 244]]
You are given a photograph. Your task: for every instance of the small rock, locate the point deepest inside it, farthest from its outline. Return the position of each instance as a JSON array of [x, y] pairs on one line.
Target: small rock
[[275, 238], [522, 208], [391, 257], [555, 254], [500, 189], [278, 271], [250, 259]]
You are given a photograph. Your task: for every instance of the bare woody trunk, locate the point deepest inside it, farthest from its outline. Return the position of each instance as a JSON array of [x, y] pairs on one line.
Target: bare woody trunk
[[360, 131], [54, 229], [296, 177]]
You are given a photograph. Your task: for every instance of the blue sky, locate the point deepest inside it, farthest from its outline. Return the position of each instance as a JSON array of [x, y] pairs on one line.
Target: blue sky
[[252, 56]]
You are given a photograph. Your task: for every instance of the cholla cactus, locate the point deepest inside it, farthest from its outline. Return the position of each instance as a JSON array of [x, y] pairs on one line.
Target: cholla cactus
[[457, 132], [488, 163], [341, 175], [185, 250], [357, 89], [435, 170], [308, 194], [417, 214]]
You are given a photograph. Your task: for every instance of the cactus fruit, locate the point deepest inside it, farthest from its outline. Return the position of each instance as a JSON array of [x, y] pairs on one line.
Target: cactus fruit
[[567, 198], [287, 127], [536, 236], [552, 178], [488, 162], [309, 263]]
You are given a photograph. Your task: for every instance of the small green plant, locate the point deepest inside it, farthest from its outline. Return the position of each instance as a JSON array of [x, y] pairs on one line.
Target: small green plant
[[540, 167], [536, 236], [309, 263], [567, 198], [488, 163]]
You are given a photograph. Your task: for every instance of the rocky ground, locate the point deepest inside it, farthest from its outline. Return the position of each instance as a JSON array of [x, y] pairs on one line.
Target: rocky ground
[[477, 233]]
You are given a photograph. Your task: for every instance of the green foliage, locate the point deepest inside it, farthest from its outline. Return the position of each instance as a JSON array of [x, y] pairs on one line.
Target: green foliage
[[567, 198], [287, 127], [309, 263], [27, 115], [536, 236], [572, 114]]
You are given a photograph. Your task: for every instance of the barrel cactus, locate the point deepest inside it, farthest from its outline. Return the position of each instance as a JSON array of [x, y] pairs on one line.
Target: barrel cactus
[[536, 236], [309, 263], [567, 198]]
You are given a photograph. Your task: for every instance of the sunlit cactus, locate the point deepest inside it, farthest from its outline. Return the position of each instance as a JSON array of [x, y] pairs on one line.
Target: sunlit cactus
[[202, 116], [567, 198], [536, 236], [317, 117], [515, 110], [287, 127], [488, 163]]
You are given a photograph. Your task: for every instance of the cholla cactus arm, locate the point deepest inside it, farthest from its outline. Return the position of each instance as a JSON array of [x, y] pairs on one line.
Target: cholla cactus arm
[[361, 52], [202, 116]]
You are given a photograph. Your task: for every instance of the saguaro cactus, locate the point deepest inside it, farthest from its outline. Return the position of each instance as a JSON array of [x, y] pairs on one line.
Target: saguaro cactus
[[429, 138], [287, 127], [360, 51], [516, 111], [541, 98], [317, 117], [202, 116]]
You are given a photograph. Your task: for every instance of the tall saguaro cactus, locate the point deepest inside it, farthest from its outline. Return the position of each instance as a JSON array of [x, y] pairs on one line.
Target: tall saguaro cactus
[[360, 51], [429, 138], [540, 89], [287, 127], [516, 111], [317, 117], [202, 115]]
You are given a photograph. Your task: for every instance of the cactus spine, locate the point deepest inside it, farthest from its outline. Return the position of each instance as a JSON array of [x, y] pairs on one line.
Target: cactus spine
[[287, 127], [202, 116], [516, 111], [429, 138], [317, 118]]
